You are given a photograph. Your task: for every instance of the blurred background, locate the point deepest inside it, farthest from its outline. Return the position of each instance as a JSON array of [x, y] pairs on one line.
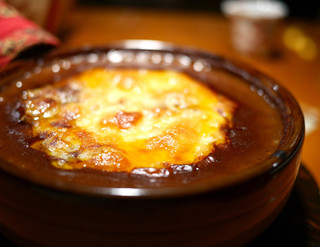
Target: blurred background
[[308, 9], [51, 13]]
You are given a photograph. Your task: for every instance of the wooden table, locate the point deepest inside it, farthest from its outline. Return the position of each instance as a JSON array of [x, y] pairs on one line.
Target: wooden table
[[208, 31]]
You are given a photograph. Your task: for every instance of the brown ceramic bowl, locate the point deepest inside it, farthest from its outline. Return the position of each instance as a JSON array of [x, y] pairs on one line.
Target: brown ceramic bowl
[[207, 204]]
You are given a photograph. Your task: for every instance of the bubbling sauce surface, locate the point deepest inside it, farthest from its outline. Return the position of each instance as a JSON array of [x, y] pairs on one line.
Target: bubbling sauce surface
[[123, 119]]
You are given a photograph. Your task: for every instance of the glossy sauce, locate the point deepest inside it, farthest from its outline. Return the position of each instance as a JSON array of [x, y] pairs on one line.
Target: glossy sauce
[[254, 135]]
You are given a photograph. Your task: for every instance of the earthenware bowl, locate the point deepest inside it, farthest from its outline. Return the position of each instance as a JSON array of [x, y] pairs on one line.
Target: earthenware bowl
[[43, 206]]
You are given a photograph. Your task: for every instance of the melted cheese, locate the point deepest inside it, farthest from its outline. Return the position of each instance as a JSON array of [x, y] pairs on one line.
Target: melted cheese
[[118, 120]]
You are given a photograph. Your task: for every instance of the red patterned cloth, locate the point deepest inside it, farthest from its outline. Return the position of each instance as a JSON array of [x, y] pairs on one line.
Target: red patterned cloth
[[17, 33]]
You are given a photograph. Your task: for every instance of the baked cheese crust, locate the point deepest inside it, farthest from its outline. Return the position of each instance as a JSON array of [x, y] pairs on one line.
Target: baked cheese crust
[[122, 119]]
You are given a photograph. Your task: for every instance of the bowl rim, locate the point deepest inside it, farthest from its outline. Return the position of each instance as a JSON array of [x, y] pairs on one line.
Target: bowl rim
[[287, 150]]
